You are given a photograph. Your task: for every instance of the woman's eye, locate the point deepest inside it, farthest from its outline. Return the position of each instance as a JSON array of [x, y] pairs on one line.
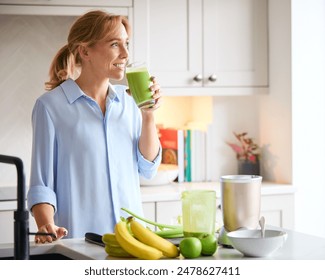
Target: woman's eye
[[115, 44]]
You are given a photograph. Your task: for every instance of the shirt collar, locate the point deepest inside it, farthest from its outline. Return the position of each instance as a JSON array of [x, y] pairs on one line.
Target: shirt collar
[[72, 91], [112, 93]]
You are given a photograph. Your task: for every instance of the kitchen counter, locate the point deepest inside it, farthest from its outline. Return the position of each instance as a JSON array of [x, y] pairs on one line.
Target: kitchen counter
[[298, 246]]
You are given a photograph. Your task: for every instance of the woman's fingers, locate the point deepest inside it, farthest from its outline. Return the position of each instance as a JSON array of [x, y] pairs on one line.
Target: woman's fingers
[[49, 233], [155, 88], [61, 232]]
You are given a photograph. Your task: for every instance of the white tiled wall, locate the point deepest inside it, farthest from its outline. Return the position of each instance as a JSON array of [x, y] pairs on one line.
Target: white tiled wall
[[27, 46]]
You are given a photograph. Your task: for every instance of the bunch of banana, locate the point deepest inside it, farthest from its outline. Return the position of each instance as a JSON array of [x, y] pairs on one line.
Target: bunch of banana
[[150, 238], [113, 248], [144, 244]]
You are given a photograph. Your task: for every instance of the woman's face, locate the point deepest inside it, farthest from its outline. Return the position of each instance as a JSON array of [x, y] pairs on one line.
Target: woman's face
[[108, 58]]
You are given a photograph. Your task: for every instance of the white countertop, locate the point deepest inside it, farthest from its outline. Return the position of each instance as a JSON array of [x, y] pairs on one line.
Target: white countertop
[[298, 246]]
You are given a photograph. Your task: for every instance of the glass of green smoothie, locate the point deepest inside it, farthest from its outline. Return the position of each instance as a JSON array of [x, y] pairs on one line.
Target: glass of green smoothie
[[198, 212], [139, 82]]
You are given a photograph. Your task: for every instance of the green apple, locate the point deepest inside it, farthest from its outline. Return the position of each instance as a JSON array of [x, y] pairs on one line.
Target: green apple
[[190, 247], [209, 244]]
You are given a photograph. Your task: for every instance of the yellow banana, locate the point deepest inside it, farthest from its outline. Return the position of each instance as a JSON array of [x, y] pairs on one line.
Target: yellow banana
[[150, 238], [112, 247], [117, 251], [134, 246], [110, 239]]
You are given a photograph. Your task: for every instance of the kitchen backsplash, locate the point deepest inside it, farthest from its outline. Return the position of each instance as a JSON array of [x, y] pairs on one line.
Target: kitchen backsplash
[[28, 44]]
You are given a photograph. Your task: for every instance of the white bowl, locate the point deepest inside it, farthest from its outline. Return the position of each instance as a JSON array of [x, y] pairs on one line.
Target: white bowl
[[251, 244], [166, 174]]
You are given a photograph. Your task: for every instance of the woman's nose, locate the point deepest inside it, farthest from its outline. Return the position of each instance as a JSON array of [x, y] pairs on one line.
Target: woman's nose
[[124, 52]]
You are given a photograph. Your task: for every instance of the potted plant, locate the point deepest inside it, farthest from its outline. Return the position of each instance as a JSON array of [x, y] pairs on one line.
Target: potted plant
[[247, 153]]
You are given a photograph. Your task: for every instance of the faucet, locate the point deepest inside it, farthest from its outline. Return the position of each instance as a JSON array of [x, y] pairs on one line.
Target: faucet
[[21, 216]]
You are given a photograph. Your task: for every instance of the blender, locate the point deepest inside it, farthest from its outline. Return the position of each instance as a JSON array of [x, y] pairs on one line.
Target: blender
[[240, 204]]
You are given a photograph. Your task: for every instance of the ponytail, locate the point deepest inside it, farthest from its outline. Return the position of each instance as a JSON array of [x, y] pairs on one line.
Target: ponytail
[[61, 69]]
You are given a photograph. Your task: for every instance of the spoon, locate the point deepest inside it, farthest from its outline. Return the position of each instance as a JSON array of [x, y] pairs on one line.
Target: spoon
[[262, 224]]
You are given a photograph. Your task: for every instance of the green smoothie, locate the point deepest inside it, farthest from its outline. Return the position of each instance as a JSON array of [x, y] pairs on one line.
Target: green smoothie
[[195, 234], [139, 83]]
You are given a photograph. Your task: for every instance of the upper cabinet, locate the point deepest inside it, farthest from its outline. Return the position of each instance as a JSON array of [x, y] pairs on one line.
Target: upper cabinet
[[63, 7], [70, 2], [207, 47]]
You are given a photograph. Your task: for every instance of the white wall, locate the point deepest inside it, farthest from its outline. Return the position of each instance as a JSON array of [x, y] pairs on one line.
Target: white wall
[[308, 105], [232, 114], [275, 108]]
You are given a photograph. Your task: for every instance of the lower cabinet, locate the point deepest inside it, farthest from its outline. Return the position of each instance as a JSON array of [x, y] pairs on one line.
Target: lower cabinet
[[278, 211], [169, 212], [149, 210]]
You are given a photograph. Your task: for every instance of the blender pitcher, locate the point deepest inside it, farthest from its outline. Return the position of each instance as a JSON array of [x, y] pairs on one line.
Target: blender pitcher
[[198, 212], [240, 203]]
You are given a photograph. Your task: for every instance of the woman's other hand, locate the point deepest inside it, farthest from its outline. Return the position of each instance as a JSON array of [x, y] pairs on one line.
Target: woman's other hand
[[57, 233]]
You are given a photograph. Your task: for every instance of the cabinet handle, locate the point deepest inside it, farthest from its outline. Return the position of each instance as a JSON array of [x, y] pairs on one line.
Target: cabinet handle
[[213, 78], [198, 78]]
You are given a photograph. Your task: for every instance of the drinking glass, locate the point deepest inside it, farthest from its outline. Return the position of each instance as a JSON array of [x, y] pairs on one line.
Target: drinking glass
[[139, 82]]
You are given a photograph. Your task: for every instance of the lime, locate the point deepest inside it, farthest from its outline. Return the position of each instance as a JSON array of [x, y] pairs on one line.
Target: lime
[[190, 247], [209, 245]]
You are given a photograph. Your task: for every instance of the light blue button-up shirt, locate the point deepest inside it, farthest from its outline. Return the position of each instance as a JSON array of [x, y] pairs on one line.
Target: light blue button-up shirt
[[84, 163]]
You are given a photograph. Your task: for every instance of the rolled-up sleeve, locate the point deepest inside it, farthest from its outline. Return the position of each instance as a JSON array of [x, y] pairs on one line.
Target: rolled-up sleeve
[[148, 169], [43, 166]]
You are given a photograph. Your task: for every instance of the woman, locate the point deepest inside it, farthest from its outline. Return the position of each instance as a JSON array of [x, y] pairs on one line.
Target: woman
[[90, 140]]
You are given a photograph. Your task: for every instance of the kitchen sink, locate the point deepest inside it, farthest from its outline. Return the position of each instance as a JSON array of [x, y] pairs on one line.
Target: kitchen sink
[[49, 251], [50, 256]]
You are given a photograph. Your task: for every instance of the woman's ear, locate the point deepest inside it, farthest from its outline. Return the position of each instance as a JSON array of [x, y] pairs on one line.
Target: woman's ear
[[83, 52]]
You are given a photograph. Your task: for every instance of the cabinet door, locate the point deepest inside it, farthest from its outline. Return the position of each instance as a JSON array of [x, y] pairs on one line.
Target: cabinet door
[[235, 43], [167, 35], [278, 210], [62, 7], [149, 210], [168, 212], [92, 3]]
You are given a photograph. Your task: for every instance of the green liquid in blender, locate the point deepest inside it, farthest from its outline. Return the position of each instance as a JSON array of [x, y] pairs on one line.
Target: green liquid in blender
[[195, 234]]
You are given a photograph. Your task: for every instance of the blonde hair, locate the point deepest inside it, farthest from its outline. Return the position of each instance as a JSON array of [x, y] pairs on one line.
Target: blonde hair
[[88, 29]]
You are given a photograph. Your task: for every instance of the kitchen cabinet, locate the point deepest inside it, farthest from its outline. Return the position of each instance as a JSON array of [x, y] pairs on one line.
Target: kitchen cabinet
[[92, 3], [277, 202], [162, 204], [277, 210], [64, 7], [209, 47], [149, 210]]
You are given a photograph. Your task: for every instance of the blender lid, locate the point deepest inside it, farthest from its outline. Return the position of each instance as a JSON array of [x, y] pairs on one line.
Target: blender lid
[[240, 178]]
